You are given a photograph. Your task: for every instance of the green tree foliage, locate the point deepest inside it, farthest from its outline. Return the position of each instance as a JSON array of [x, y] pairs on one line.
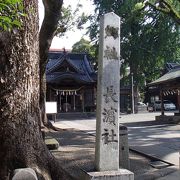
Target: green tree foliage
[[84, 46], [10, 13], [70, 19], [168, 7], [148, 38]]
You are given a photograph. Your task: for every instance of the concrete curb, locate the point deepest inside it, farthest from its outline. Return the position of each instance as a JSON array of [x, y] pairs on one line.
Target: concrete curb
[[150, 156], [156, 174]]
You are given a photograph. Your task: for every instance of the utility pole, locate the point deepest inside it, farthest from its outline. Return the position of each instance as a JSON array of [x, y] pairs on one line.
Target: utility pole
[[132, 92]]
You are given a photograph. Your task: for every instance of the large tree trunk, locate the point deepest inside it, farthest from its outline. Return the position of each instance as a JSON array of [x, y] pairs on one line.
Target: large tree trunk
[[48, 28], [20, 135]]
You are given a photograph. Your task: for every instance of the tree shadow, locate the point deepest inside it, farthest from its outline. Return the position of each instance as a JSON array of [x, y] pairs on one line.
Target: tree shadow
[[156, 139]]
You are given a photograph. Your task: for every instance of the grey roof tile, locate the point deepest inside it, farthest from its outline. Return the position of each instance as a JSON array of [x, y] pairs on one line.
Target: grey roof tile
[[83, 70]]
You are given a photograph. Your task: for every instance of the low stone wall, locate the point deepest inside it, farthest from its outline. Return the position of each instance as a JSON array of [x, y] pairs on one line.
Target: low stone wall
[[168, 119]]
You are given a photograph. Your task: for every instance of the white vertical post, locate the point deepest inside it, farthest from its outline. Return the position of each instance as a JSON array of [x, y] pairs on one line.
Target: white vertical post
[[108, 89]]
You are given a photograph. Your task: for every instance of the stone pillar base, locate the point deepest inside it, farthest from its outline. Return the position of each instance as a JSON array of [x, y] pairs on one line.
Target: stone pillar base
[[123, 147], [122, 174]]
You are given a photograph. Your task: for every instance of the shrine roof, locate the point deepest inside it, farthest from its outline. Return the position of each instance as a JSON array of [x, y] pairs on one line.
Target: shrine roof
[[172, 75], [83, 71], [172, 65]]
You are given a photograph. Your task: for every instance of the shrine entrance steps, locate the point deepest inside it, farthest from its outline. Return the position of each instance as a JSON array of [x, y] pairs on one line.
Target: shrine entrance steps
[[75, 115]]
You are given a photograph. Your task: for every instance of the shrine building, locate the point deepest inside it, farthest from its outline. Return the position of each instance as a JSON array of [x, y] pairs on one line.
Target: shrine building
[[71, 81]]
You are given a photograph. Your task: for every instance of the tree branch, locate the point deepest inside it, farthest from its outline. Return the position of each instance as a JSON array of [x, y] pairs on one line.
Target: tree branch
[[48, 28], [167, 9]]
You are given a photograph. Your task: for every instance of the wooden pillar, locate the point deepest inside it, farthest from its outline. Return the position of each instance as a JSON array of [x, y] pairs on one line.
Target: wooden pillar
[[74, 101], [83, 99], [49, 93], [162, 101], [56, 98], [95, 96], [66, 102], [178, 99], [60, 101]]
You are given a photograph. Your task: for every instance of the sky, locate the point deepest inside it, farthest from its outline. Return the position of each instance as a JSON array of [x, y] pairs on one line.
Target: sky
[[73, 36]]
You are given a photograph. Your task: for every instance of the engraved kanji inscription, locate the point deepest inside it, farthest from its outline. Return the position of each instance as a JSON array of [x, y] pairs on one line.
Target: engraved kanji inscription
[[111, 31], [109, 115], [109, 137], [110, 53], [111, 94]]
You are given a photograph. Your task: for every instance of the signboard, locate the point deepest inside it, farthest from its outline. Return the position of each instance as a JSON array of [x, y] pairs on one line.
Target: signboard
[[51, 107]]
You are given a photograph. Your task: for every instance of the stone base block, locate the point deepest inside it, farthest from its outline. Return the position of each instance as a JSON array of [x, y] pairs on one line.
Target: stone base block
[[122, 174], [51, 143]]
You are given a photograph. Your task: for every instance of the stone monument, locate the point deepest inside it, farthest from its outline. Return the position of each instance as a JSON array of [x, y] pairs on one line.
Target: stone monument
[[108, 90], [107, 124]]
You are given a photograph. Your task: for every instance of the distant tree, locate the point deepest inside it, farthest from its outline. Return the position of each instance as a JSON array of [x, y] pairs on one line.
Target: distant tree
[[84, 46], [148, 38], [70, 19]]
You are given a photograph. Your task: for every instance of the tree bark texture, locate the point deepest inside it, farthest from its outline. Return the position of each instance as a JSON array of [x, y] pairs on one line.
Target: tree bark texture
[[21, 140], [48, 29]]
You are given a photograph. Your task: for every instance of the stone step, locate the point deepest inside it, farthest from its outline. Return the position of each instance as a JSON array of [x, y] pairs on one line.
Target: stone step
[[75, 115], [51, 143]]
